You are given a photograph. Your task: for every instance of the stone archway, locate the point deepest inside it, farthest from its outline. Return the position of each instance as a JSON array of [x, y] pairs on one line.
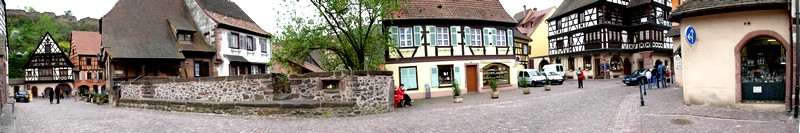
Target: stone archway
[[788, 59], [542, 63]]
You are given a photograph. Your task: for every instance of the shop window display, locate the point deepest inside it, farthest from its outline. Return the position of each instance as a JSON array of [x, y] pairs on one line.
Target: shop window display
[[763, 69], [499, 72], [445, 75]]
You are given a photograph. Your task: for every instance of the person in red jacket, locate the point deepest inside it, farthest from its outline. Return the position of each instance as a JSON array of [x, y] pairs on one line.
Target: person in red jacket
[[580, 77], [398, 95]]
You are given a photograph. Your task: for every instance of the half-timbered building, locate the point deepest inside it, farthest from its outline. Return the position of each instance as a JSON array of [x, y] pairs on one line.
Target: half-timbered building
[[48, 68], [89, 77], [439, 43], [532, 24], [610, 38]]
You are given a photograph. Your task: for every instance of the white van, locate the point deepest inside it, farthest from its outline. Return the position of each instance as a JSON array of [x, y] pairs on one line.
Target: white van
[[557, 68], [532, 77]]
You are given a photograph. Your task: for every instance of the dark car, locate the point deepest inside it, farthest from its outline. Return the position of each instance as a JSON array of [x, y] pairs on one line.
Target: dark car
[[22, 96], [635, 78]]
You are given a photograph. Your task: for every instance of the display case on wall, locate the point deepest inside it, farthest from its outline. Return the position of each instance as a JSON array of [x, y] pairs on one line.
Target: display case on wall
[[498, 72]]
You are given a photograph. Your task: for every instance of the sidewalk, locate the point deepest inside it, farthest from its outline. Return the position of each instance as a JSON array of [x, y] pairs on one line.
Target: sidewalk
[[7, 117]]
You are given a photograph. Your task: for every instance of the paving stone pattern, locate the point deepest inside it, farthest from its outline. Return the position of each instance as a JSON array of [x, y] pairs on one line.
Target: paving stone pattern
[[596, 108]]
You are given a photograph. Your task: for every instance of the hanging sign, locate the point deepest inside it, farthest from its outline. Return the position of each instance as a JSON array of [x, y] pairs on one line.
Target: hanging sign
[[691, 35]]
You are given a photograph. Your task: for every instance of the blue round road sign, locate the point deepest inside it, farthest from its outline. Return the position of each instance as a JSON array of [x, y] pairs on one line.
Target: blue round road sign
[[691, 35]]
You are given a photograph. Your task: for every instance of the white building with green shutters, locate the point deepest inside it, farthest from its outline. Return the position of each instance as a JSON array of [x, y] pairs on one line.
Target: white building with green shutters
[[443, 42]]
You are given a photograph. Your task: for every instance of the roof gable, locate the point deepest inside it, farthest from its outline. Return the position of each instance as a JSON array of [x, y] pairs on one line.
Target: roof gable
[[571, 5], [229, 13], [489, 10], [48, 54], [86, 42]]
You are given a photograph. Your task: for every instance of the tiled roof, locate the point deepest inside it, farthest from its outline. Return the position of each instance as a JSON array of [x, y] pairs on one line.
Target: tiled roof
[[634, 3], [86, 42], [538, 18], [490, 10], [674, 32], [139, 28], [236, 58], [570, 5], [519, 35], [181, 24], [692, 8], [228, 13]]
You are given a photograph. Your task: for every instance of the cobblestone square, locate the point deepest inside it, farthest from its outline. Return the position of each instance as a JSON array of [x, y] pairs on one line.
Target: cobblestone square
[[603, 106]]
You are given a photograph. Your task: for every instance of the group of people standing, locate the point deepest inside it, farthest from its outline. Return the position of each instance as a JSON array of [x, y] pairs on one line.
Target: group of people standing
[[658, 75], [56, 94]]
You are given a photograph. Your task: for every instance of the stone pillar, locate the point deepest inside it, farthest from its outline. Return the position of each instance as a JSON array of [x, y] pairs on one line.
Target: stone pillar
[[647, 57]]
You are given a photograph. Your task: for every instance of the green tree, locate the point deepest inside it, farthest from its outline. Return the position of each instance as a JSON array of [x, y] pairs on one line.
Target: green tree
[[64, 45], [348, 34]]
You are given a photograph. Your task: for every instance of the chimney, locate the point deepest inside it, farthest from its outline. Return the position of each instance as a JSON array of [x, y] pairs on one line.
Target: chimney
[[534, 9]]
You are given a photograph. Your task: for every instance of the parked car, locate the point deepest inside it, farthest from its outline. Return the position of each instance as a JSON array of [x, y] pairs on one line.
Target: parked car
[[554, 78], [557, 68], [635, 78], [22, 96], [532, 76]]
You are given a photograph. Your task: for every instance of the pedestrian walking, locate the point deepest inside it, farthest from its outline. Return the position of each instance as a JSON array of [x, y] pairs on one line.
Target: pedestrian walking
[[667, 76], [649, 75], [662, 76], [50, 94], [580, 75], [59, 95]]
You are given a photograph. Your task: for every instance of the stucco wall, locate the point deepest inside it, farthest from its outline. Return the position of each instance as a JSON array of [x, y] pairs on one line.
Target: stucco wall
[[255, 56], [424, 75], [678, 78], [540, 44], [709, 66]]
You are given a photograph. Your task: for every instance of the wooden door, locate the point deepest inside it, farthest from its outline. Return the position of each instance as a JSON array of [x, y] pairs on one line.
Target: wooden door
[[472, 78], [627, 67], [597, 74]]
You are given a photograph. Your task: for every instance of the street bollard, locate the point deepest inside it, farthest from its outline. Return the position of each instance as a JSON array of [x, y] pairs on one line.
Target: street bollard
[[642, 83], [642, 92]]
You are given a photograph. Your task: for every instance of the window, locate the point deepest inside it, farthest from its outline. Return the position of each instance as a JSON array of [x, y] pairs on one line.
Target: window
[[498, 72], [100, 76], [89, 75], [242, 41], [197, 69], [406, 37], [408, 77], [254, 69], [476, 37], [501, 38], [442, 36], [88, 61], [234, 70], [233, 40], [264, 45], [185, 37], [248, 42], [587, 63], [571, 63], [445, 75]]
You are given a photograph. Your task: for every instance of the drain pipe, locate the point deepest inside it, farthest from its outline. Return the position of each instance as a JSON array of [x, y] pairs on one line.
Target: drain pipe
[[796, 58]]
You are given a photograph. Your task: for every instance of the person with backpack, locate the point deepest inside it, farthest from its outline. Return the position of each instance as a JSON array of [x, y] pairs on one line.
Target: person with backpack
[[580, 75]]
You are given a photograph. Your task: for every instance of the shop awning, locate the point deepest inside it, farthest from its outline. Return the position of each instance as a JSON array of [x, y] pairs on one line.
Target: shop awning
[[236, 58]]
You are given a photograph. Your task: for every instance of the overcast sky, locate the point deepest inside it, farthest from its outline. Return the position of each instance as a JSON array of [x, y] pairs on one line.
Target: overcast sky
[[266, 13]]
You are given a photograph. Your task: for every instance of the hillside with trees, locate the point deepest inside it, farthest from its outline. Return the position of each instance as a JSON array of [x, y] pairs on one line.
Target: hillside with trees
[[25, 32]]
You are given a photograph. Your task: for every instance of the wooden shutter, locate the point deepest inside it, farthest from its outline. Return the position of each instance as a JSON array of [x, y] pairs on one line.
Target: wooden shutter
[[417, 35], [486, 36], [431, 37], [510, 36], [467, 36], [395, 39], [457, 75], [434, 77], [453, 35]]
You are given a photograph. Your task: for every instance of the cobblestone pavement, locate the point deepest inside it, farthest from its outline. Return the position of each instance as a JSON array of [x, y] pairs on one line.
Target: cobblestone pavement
[[603, 106]]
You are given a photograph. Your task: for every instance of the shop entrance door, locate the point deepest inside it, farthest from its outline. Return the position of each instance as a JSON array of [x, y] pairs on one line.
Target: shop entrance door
[[472, 78], [597, 74]]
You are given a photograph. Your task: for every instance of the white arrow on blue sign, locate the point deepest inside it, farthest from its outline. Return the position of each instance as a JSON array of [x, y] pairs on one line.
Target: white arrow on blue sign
[[691, 35]]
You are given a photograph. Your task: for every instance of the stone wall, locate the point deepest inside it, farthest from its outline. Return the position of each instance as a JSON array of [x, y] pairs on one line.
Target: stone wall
[[354, 93]]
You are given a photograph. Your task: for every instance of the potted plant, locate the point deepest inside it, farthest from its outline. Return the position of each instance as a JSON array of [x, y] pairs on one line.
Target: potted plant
[[546, 83], [523, 83], [457, 93], [493, 85]]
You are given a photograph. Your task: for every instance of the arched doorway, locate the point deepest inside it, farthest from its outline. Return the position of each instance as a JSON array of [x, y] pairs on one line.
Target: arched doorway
[[658, 63], [35, 91], [62, 89], [47, 92], [542, 63], [763, 69], [83, 89], [627, 67]]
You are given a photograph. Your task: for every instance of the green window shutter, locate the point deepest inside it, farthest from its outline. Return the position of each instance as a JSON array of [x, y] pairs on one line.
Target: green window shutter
[[432, 35], [457, 75], [434, 77], [409, 76], [453, 35], [467, 36], [493, 36], [394, 33], [417, 35], [486, 36], [510, 36]]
